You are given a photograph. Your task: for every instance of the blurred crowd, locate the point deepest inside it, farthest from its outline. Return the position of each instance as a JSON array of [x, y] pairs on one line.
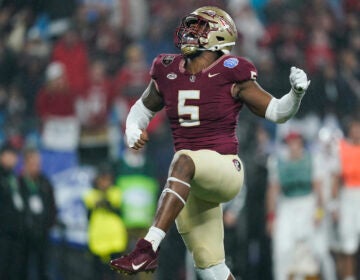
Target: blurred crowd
[[71, 69], [91, 58]]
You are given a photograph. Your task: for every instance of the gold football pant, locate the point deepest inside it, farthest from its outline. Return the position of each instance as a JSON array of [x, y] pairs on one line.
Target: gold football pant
[[218, 178]]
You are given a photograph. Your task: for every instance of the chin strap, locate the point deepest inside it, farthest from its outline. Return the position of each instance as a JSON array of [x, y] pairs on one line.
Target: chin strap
[[220, 47]]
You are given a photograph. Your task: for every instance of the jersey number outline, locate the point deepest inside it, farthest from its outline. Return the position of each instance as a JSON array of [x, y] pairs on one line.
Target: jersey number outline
[[188, 110]]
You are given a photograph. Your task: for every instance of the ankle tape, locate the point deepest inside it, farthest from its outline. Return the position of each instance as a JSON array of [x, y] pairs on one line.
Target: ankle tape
[[167, 190], [173, 179]]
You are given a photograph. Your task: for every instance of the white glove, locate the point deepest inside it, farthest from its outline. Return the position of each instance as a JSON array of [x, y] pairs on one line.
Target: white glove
[[298, 80]]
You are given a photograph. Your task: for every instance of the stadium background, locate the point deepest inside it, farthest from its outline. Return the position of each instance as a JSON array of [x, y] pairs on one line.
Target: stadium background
[[123, 36]]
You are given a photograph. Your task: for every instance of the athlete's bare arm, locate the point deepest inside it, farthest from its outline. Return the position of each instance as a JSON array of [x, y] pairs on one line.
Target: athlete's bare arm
[[151, 98], [253, 95]]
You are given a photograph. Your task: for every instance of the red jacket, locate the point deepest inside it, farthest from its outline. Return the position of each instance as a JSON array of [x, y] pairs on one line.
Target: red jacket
[[75, 59], [55, 103]]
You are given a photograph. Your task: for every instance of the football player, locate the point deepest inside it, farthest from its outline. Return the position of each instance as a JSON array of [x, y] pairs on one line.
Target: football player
[[202, 91]]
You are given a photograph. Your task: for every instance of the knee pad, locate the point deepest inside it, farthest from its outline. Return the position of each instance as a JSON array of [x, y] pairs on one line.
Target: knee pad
[[216, 272]]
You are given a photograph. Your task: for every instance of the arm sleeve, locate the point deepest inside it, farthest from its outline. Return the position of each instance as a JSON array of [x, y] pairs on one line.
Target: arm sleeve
[[137, 120], [139, 116], [281, 110]]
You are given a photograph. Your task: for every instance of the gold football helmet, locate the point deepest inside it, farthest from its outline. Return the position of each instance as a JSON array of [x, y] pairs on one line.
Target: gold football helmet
[[206, 28]]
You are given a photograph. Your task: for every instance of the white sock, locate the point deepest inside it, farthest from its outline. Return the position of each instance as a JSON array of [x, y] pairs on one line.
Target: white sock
[[155, 236]]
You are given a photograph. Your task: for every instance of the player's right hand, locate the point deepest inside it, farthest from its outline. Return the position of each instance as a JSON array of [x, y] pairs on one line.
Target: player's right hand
[[298, 80], [136, 138]]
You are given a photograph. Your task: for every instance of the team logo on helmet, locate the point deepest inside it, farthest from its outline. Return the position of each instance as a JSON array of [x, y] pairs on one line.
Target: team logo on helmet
[[210, 13], [237, 164], [167, 60]]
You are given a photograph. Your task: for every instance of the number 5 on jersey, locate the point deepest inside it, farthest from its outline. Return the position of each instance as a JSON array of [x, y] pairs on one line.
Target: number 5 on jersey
[[190, 111]]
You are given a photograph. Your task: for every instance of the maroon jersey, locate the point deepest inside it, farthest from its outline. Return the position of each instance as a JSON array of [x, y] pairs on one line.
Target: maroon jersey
[[200, 108]]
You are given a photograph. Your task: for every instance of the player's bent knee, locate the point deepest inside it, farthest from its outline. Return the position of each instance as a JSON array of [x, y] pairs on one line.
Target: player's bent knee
[[216, 272], [182, 166]]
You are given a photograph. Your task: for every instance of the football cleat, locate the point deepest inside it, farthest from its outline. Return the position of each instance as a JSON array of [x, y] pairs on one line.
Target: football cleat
[[142, 259]]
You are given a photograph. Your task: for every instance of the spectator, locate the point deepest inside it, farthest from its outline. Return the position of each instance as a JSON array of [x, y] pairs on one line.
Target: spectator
[[130, 16], [155, 41], [15, 125], [40, 213], [16, 103], [132, 79], [33, 60], [319, 53], [55, 105], [288, 45], [346, 198], [133, 76], [72, 52], [333, 98], [107, 235], [294, 207], [16, 38], [93, 109], [350, 75], [12, 207], [109, 44], [251, 30], [325, 166]]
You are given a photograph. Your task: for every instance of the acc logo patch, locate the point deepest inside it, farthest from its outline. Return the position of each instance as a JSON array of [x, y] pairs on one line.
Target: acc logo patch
[[231, 62], [167, 59], [237, 164], [171, 76]]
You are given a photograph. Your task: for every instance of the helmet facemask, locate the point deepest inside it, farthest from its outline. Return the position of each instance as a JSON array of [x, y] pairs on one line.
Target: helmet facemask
[[207, 28], [192, 34]]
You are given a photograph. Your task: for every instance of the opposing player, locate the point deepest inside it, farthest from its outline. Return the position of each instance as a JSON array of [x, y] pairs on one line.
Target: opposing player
[[202, 90]]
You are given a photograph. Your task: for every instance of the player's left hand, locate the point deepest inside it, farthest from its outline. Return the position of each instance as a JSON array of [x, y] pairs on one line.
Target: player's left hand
[[298, 80]]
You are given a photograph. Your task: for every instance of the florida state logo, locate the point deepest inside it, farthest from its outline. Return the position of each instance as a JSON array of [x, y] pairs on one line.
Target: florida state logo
[[237, 164]]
